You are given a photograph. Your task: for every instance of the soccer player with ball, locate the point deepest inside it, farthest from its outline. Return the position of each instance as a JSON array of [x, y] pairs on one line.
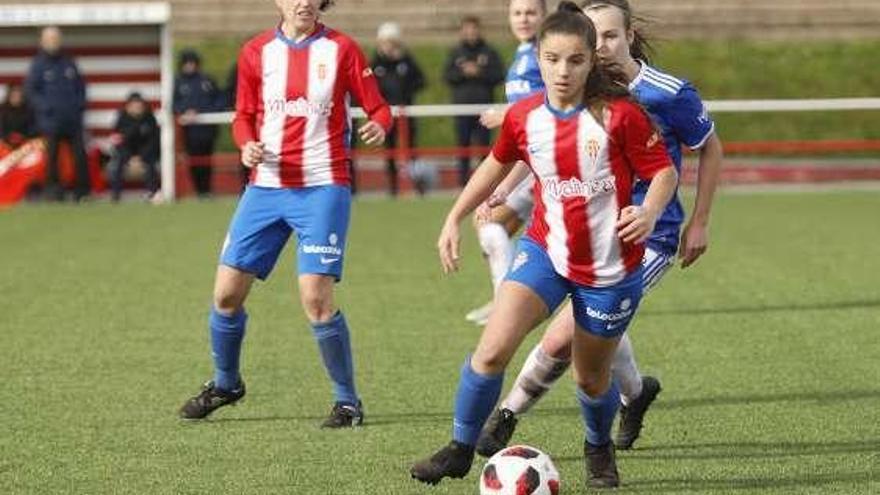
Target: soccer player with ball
[[678, 110], [292, 124], [585, 141]]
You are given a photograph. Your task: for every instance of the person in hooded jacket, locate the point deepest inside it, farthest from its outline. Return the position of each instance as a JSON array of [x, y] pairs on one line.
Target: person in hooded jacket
[[195, 93]]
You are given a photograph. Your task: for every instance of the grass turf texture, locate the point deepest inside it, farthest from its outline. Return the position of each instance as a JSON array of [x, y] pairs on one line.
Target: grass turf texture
[[767, 351], [719, 69]]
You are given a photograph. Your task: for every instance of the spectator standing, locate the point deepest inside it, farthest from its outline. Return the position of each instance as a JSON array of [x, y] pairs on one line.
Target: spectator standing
[[195, 93], [400, 78], [473, 70], [136, 140], [57, 92]]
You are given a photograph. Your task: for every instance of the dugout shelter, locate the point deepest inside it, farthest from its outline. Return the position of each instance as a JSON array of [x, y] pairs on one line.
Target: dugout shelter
[[119, 48]]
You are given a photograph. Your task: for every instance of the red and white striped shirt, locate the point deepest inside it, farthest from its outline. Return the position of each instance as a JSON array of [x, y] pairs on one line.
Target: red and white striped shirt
[[585, 171], [295, 98]]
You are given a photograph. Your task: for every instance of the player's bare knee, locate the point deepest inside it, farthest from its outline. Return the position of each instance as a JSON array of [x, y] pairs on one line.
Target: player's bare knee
[[593, 384], [318, 307], [555, 347], [489, 362], [228, 302]]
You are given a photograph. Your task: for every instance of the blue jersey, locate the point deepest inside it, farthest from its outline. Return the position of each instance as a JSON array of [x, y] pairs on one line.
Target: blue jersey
[[524, 76], [679, 112]]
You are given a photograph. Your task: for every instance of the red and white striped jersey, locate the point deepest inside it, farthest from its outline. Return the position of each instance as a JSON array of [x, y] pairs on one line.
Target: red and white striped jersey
[[295, 97], [584, 174]]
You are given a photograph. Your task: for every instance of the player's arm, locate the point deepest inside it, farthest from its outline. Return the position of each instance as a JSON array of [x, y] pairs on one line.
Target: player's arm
[[517, 174], [493, 117], [365, 88], [646, 153], [481, 184], [244, 125], [637, 222], [483, 181], [691, 122], [695, 237]]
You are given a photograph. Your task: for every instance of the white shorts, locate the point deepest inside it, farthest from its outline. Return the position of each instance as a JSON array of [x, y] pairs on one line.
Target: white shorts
[[521, 199]]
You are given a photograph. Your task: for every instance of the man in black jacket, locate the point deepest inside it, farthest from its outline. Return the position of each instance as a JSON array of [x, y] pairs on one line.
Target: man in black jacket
[[136, 139], [57, 93], [195, 93], [473, 70], [400, 78]]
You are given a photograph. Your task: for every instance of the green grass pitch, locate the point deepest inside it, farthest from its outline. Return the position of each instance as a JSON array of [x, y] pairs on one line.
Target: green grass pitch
[[768, 351]]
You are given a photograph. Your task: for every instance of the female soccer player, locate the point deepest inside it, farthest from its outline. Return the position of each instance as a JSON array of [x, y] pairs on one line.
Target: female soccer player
[[585, 142], [292, 125], [676, 107], [496, 227]]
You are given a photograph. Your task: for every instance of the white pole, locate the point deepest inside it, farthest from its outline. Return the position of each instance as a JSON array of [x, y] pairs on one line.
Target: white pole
[[167, 114]]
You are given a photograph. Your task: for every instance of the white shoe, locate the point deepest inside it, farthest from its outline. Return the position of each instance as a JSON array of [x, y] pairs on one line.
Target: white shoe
[[480, 315]]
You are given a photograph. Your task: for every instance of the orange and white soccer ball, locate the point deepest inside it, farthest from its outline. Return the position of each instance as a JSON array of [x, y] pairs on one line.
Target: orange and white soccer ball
[[519, 470]]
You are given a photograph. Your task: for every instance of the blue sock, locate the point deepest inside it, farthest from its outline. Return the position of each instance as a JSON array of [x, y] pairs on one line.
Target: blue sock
[[227, 332], [474, 401], [598, 414], [335, 346]]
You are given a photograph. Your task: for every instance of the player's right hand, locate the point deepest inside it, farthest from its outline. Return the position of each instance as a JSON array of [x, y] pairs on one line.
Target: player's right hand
[[492, 118], [252, 154], [447, 245]]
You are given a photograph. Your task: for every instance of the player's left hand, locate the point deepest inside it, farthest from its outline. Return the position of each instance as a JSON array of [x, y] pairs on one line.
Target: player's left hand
[[448, 245], [635, 224], [372, 133], [694, 241]]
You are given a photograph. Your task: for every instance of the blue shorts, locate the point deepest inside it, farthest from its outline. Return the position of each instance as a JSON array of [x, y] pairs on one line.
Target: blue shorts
[[265, 217], [602, 311]]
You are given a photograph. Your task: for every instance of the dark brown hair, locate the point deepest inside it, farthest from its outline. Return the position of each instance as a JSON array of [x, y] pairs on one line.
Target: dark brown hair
[[602, 82], [470, 19], [640, 48], [325, 4]]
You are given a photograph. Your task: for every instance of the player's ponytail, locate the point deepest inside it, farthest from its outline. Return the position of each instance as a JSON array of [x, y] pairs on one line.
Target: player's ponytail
[[570, 7], [640, 48], [569, 19]]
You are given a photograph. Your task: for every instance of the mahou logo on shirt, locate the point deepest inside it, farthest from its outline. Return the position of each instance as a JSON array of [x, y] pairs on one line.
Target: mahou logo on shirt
[[299, 107], [574, 187]]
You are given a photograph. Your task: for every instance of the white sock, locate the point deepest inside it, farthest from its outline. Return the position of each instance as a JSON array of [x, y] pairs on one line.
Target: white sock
[[537, 376], [626, 372], [498, 248]]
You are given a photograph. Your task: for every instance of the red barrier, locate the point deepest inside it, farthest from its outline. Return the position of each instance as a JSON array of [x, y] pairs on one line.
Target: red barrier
[[772, 171]]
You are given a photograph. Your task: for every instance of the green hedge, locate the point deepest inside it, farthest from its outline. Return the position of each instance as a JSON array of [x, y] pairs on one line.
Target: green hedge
[[720, 69]]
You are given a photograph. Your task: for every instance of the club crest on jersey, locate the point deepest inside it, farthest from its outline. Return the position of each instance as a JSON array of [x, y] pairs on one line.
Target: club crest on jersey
[[322, 72], [592, 150]]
